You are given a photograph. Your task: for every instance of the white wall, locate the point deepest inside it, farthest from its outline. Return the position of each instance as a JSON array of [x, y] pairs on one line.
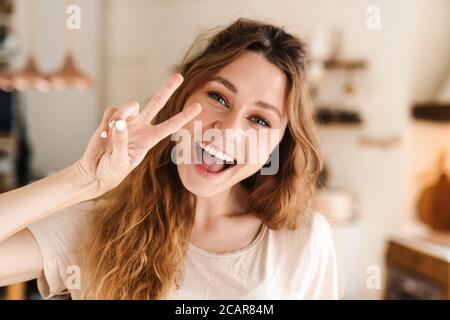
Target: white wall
[[60, 123]]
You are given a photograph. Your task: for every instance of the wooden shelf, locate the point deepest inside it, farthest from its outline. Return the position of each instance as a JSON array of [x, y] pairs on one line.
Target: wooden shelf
[[345, 64], [340, 125], [432, 111]]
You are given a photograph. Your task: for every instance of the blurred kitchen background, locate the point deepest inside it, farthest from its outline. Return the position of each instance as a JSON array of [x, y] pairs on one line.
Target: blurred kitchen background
[[380, 73]]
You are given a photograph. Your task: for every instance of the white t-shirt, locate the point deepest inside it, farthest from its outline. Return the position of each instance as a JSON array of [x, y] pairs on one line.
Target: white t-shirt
[[278, 264]]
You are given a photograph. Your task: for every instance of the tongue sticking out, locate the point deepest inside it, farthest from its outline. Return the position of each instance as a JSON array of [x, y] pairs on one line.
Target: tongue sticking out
[[212, 164]]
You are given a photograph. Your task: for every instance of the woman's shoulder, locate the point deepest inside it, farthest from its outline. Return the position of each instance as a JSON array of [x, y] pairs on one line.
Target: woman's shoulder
[[317, 223], [65, 228], [312, 237], [311, 226], [301, 253]]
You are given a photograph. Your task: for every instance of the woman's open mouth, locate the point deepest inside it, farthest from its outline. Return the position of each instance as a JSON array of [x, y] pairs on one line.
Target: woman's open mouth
[[211, 161]]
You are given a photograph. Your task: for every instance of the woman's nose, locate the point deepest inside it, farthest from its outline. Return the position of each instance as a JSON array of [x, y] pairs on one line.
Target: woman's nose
[[231, 128]]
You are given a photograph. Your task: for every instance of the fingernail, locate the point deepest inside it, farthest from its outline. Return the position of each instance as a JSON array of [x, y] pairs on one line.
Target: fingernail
[[111, 123], [120, 125], [177, 77], [104, 134]]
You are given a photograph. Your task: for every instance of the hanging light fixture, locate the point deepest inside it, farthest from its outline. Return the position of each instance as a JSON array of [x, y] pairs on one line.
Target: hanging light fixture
[[69, 75], [30, 76]]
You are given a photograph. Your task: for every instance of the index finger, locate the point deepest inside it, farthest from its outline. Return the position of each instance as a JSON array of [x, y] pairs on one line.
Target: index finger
[[160, 98]]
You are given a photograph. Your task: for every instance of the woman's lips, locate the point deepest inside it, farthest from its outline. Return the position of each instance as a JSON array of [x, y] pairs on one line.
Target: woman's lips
[[205, 173]]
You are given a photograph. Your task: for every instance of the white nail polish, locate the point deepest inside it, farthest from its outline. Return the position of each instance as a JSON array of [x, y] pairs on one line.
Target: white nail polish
[[120, 125], [104, 134], [111, 124]]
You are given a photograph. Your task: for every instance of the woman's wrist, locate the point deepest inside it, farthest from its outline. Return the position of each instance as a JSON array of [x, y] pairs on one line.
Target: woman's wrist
[[85, 186]]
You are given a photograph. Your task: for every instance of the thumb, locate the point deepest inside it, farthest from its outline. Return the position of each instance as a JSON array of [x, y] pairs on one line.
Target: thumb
[[119, 156]]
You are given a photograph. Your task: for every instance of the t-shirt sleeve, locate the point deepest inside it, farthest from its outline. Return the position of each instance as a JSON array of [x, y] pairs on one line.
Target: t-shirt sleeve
[[60, 239], [324, 282]]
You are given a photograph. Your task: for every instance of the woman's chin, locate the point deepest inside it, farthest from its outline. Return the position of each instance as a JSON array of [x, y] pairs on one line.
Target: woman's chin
[[199, 189], [207, 184], [200, 183]]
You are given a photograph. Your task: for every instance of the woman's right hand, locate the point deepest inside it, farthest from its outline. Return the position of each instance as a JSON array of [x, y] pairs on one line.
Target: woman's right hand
[[125, 136]]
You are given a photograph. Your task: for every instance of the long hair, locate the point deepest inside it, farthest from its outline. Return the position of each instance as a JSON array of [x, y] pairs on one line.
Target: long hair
[[141, 232]]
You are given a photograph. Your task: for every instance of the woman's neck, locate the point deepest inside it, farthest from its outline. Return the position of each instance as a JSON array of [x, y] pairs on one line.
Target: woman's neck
[[228, 203]]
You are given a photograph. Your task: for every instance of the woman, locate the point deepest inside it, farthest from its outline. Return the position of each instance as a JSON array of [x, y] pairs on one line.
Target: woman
[[130, 221]]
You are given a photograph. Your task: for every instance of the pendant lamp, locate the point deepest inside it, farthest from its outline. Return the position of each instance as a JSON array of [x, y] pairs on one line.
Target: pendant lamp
[[31, 76], [69, 75]]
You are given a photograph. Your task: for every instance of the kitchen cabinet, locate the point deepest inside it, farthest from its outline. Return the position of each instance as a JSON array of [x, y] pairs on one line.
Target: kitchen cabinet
[[418, 267]]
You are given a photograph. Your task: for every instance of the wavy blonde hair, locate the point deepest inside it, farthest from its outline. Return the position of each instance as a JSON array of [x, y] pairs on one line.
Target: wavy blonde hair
[[141, 233]]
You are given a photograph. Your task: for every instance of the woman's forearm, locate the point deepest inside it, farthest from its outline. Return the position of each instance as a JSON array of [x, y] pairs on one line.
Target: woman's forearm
[[24, 206]]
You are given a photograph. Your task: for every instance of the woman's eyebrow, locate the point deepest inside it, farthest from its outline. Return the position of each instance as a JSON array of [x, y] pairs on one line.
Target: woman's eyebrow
[[226, 83], [268, 106], [233, 89]]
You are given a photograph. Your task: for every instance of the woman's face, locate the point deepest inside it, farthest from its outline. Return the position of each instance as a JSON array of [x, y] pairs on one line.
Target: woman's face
[[243, 118]]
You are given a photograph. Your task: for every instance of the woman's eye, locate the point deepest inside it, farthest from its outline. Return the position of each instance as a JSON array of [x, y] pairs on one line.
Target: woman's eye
[[218, 97], [261, 122]]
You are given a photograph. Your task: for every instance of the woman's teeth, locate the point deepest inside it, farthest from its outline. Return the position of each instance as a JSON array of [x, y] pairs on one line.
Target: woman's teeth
[[212, 160], [216, 153]]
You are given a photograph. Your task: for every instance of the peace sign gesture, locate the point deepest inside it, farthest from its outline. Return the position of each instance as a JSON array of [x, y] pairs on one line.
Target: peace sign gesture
[[125, 136]]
